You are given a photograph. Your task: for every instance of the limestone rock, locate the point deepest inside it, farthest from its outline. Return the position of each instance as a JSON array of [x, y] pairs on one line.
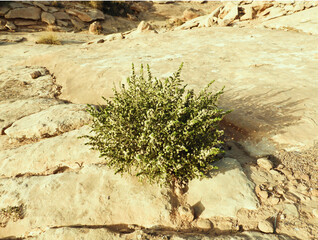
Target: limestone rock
[[230, 17], [18, 84], [3, 10], [37, 158], [266, 226], [48, 18], [265, 163], [202, 223], [33, 13], [61, 16], [190, 13], [259, 6], [89, 16], [211, 19], [299, 6], [219, 199], [248, 13], [114, 36], [92, 196], [275, 13], [144, 26], [25, 22], [11, 111], [95, 28], [227, 9], [50, 122], [40, 5], [78, 24], [10, 26]]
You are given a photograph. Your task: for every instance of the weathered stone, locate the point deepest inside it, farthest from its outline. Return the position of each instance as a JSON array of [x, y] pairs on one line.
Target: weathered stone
[[50, 122], [33, 13], [230, 17], [248, 13], [275, 13], [78, 24], [92, 196], [61, 16], [259, 6], [202, 223], [36, 74], [38, 158], [41, 5], [274, 200], [219, 199], [11, 111], [144, 26], [190, 13], [227, 9], [18, 84], [315, 212], [10, 26], [191, 23], [211, 19], [89, 16], [265, 163], [48, 18], [265, 226], [95, 28], [22, 22], [299, 6], [314, 192], [263, 194], [62, 23], [186, 213], [114, 36], [53, 9], [3, 10]]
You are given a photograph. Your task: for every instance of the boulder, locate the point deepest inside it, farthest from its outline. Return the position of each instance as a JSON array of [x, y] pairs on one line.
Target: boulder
[[61, 16], [50, 122], [114, 36], [190, 13], [62, 23], [144, 26], [41, 5], [248, 13], [92, 196], [211, 19], [48, 18], [265, 226], [230, 17], [227, 191], [33, 13], [78, 24], [11, 111], [260, 6], [95, 28], [89, 16], [265, 163], [226, 9]]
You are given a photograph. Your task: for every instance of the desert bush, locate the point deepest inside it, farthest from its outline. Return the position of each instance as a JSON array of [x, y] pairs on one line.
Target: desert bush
[[48, 39], [158, 130]]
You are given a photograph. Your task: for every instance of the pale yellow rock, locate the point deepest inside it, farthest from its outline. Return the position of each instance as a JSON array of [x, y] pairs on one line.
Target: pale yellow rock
[[219, 199], [265, 163], [265, 226], [50, 122], [249, 13]]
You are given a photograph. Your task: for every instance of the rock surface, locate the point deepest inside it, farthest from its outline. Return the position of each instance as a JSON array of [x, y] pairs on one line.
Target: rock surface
[[212, 197], [50, 122], [33, 13]]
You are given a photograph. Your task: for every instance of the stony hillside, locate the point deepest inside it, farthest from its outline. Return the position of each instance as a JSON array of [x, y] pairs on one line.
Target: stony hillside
[[52, 186]]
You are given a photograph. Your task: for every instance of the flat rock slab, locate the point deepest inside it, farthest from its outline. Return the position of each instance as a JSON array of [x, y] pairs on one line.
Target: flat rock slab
[[270, 79], [16, 83], [11, 110], [50, 122], [305, 21], [92, 196], [38, 158], [227, 191]]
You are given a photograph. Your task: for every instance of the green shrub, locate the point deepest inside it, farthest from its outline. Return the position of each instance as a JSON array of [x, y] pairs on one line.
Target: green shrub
[[157, 130]]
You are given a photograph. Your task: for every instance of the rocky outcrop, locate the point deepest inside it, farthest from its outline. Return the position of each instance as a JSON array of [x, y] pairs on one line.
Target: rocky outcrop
[[33, 13]]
